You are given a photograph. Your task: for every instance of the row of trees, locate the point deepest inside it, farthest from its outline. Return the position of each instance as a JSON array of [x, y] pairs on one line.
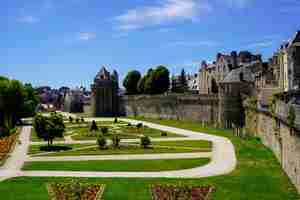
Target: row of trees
[[156, 81], [16, 101]]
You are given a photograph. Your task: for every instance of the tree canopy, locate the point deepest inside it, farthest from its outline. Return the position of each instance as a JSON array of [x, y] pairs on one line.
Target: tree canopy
[[16, 101], [131, 82], [48, 128], [157, 81]]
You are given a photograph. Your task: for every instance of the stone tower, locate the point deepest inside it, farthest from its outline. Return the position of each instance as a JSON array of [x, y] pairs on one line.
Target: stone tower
[[104, 95]]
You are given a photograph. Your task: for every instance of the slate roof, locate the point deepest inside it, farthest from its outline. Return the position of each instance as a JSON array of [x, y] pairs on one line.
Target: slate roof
[[102, 73], [234, 75]]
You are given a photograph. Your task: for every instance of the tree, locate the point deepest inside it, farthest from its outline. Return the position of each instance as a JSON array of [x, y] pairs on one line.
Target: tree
[[101, 141], [94, 126], [183, 81], [131, 82], [141, 85], [16, 101], [116, 141], [157, 81], [48, 128], [161, 80], [145, 142]]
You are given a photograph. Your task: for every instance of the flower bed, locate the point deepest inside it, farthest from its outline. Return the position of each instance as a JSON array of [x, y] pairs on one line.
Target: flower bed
[[6, 145], [172, 192], [75, 191]]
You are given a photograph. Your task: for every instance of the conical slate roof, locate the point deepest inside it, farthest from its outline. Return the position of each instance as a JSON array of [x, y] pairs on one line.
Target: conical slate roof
[[103, 74]]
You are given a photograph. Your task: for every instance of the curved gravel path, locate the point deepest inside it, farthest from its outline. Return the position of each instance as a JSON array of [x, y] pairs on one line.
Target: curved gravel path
[[223, 158]]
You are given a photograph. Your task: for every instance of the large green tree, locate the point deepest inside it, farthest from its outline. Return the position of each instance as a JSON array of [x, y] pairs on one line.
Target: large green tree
[[157, 81], [48, 128], [16, 101], [131, 82]]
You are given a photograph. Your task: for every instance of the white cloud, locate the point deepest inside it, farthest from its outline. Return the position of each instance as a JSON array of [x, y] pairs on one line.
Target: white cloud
[[164, 11], [28, 19], [86, 36], [260, 44]]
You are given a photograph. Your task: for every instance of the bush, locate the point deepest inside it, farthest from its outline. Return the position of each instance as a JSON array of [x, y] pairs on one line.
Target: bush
[[164, 134], [82, 120], [116, 120], [94, 126], [77, 120], [145, 142], [129, 124], [101, 141], [116, 141], [71, 119], [104, 130], [55, 148], [139, 125]]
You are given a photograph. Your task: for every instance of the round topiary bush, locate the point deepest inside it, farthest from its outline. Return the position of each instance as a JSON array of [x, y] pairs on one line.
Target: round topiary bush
[[101, 141], [145, 142], [104, 130], [139, 125], [164, 134]]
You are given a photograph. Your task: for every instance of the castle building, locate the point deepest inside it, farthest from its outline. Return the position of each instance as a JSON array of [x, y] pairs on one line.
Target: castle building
[[104, 100]]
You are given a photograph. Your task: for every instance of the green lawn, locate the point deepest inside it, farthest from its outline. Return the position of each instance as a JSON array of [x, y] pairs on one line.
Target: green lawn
[[258, 176], [34, 149], [118, 165], [125, 132], [161, 147]]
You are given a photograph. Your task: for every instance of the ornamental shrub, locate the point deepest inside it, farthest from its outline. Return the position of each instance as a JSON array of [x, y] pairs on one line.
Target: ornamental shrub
[[101, 141], [145, 142], [94, 126], [104, 130]]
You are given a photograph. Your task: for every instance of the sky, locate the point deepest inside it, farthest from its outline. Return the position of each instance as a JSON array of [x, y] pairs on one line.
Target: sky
[[65, 42]]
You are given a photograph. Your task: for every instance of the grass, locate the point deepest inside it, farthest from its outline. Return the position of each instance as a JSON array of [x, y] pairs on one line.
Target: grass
[[118, 165], [125, 132], [162, 147], [258, 176], [35, 149]]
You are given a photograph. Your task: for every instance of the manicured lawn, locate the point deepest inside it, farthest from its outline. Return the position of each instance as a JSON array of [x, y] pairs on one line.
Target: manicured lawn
[[34, 149], [134, 149], [118, 165], [125, 132], [197, 144], [258, 176]]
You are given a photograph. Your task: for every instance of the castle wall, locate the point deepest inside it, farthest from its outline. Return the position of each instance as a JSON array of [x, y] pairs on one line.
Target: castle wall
[[276, 135], [202, 108]]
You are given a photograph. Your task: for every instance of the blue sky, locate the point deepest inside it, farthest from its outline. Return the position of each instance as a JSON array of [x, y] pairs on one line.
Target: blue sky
[[65, 42]]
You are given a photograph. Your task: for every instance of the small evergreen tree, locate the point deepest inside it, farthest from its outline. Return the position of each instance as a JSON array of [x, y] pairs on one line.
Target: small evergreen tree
[[116, 141], [94, 126]]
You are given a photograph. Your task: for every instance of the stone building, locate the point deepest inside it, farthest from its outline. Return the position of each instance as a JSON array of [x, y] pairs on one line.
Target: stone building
[[237, 84], [289, 62], [210, 75], [104, 100]]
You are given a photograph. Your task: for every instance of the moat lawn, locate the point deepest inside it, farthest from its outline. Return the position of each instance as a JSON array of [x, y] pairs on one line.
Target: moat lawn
[[158, 147], [258, 176], [118, 165]]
